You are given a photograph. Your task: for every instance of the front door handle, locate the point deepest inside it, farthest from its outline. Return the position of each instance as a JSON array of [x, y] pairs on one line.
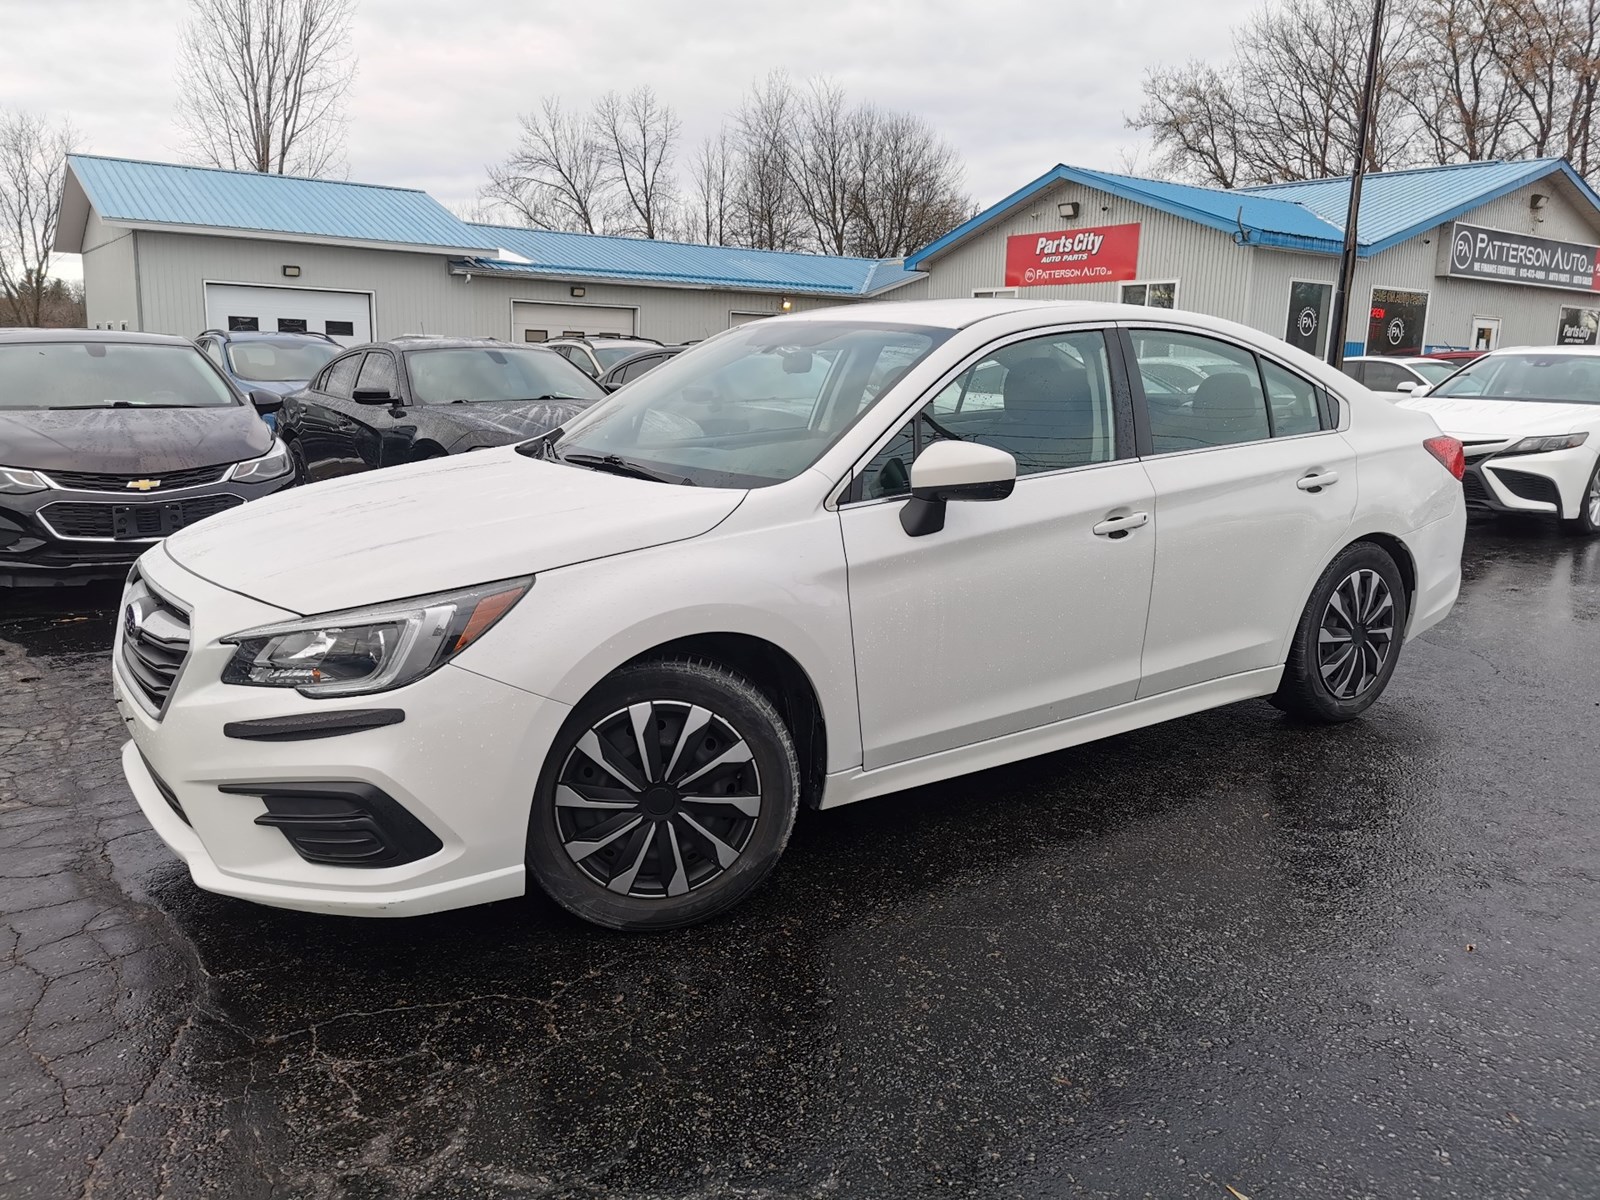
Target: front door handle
[[1120, 527], [1317, 480]]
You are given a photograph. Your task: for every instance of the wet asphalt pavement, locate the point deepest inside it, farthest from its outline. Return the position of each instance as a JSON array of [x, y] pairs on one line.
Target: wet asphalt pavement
[[1227, 952]]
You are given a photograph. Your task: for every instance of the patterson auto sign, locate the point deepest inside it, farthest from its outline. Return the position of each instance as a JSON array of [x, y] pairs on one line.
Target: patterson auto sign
[[1101, 255], [1479, 253]]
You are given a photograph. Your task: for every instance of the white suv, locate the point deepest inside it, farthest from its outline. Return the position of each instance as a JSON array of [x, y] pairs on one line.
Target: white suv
[[616, 660]]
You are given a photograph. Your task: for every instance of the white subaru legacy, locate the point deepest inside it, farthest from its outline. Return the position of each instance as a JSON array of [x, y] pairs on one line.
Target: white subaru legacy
[[1530, 423], [811, 560]]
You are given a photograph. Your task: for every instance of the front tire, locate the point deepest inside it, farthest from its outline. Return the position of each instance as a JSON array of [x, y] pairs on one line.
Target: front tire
[[297, 456], [666, 799], [1587, 522], [1348, 641]]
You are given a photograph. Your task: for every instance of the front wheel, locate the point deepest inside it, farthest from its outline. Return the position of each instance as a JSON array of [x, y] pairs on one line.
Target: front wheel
[[297, 456], [1348, 640], [667, 798], [1587, 522]]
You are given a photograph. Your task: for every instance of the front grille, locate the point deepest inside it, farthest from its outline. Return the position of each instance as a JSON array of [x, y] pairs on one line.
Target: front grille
[[1529, 486], [89, 481], [151, 519], [155, 643], [1476, 491]]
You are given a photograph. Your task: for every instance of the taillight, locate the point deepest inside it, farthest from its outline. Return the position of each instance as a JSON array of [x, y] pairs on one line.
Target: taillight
[[1452, 455]]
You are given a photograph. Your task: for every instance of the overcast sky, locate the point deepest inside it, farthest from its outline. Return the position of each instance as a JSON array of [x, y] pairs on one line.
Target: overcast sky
[[1016, 86]]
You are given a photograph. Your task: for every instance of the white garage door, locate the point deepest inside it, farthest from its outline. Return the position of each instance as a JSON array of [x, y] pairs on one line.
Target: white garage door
[[534, 322], [344, 316]]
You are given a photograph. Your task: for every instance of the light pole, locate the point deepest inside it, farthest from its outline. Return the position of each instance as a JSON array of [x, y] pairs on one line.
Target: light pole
[[1347, 263]]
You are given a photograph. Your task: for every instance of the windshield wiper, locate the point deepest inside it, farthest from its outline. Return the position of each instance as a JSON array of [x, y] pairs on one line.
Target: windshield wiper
[[518, 399], [618, 465]]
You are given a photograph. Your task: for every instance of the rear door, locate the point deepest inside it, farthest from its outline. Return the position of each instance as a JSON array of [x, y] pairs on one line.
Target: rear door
[[1251, 499]]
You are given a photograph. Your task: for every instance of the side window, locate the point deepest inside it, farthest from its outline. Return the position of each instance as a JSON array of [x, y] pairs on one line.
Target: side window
[[1293, 401], [339, 379], [637, 368], [1385, 377], [1047, 402], [1223, 406], [377, 374], [1353, 369]]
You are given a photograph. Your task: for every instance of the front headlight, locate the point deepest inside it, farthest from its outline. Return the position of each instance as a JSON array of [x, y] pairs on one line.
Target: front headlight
[[1540, 445], [274, 463], [14, 481], [373, 649]]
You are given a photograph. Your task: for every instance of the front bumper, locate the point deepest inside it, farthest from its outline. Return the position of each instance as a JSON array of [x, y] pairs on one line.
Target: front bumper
[[462, 767], [1552, 483], [69, 535]]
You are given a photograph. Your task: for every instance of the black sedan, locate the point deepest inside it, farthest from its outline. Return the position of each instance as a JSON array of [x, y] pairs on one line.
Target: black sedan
[[414, 398], [636, 365], [111, 441]]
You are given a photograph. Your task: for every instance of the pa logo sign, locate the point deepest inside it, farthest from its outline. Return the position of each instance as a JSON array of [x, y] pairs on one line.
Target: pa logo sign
[[1461, 254], [1306, 322]]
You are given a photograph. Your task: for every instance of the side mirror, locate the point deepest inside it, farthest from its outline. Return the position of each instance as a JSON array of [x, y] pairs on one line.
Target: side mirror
[[948, 471], [373, 396], [266, 402], [1407, 385]]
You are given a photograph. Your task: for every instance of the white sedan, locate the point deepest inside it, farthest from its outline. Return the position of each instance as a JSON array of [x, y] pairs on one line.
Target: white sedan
[[1397, 378], [1530, 423], [614, 662]]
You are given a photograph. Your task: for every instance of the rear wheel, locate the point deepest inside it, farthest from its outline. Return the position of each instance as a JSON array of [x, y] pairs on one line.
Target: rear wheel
[[667, 797], [1348, 640], [1587, 522]]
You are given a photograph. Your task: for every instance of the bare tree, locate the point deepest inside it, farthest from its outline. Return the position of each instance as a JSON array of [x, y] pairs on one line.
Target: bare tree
[[1456, 84], [907, 187], [33, 167], [557, 176], [262, 84], [823, 163], [638, 136], [711, 191], [767, 213], [1190, 113]]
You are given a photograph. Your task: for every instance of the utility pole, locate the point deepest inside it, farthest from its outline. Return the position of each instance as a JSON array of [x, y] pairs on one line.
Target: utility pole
[[1347, 264]]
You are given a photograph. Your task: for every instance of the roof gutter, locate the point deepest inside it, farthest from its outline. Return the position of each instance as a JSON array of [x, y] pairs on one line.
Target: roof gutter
[[491, 270]]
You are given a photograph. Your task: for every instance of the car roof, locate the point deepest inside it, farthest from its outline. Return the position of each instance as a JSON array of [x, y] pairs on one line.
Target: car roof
[[1405, 358], [250, 335], [1574, 351], [113, 336], [409, 342]]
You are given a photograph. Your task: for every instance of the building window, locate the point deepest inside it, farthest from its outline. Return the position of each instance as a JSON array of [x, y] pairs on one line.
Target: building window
[[1396, 321], [536, 335], [994, 293], [244, 325], [1308, 316], [339, 328], [291, 324], [1152, 295]]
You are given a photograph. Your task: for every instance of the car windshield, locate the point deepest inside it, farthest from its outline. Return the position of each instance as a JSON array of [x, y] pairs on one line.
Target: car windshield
[[1433, 372], [58, 375], [279, 362], [610, 356], [488, 373], [755, 406], [1556, 378]]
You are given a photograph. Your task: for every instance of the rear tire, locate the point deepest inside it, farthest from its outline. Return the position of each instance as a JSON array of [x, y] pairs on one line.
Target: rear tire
[[666, 799], [1587, 522], [1348, 640]]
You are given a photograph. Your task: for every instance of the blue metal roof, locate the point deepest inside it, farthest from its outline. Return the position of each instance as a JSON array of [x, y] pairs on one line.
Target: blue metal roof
[[1395, 205], [595, 256], [146, 193]]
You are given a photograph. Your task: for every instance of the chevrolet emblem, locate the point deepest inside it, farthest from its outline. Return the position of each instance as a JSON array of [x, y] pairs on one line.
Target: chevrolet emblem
[[143, 485]]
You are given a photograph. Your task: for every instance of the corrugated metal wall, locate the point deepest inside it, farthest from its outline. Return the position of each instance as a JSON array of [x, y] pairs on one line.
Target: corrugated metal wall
[[110, 298], [414, 293]]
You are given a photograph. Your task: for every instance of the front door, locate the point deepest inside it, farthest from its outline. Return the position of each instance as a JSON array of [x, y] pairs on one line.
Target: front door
[[1486, 333], [327, 424], [1019, 612], [381, 438], [1254, 491]]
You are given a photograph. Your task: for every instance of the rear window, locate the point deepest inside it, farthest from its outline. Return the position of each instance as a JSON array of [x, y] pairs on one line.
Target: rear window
[[63, 375], [276, 362]]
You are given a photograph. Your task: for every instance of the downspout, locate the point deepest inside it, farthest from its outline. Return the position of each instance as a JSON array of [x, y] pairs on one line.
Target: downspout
[[138, 286]]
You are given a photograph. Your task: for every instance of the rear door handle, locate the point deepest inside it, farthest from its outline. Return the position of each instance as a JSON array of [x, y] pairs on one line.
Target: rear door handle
[[1317, 480], [1119, 527]]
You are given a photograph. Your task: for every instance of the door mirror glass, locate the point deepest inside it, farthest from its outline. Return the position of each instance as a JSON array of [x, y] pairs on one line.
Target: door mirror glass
[[953, 470], [266, 402]]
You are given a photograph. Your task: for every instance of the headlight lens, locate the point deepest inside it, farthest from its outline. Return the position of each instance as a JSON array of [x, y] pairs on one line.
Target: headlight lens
[[271, 465], [14, 481], [372, 649], [1540, 445]]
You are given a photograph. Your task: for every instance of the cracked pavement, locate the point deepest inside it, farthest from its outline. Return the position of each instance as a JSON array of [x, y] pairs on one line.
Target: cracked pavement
[[1230, 951]]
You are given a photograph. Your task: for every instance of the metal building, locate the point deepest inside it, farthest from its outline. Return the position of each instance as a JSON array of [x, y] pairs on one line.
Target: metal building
[[174, 249], [1462, 257]]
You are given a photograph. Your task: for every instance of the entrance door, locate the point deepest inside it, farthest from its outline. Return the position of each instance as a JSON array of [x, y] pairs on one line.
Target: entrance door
[[1485, 333]]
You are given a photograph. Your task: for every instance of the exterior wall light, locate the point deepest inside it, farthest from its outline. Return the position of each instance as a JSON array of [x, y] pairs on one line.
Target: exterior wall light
[[1067, 210], [785, 304], [577, 292], [292, 272]]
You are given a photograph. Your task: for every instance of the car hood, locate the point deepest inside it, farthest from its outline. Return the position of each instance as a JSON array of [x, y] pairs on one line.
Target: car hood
[[278, 387], [130, 441], [1482, 419], [436, 525], [497, 422]]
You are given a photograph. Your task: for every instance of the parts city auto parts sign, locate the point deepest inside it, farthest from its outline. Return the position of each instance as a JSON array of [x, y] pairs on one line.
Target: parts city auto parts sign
[[1102, 255], [1479, 253]]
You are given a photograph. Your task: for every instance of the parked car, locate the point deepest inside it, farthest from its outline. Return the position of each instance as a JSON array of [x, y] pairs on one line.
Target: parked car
[[612, 662], [273, 362], [635, 365], [415, 398], [111, 441], [1456, 356], [1530, 422], [1396, 378], [596, 354]]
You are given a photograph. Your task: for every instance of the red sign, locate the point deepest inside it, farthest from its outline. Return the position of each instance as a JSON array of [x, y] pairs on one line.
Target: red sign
[[1066, 256]]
